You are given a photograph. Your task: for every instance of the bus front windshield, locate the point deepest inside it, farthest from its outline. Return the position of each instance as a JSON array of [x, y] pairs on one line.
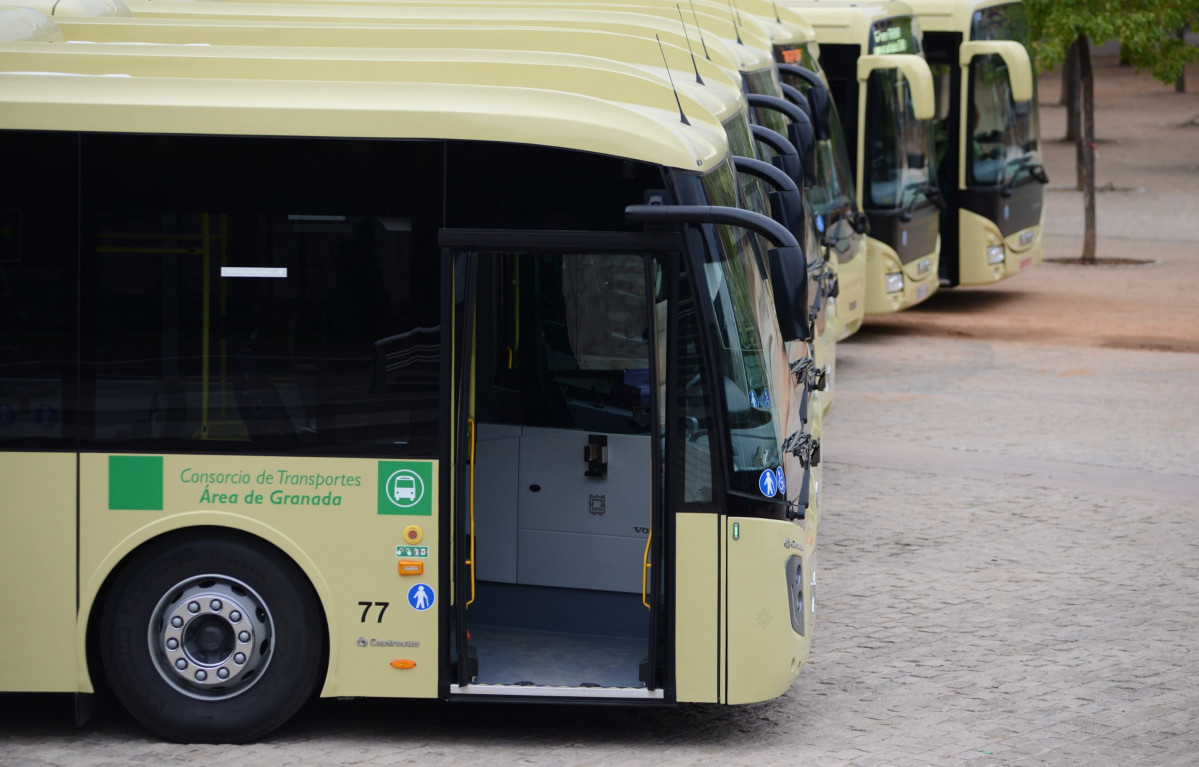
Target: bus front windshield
[[899, 148], [751, 357], [765, 82], [1004, 135]]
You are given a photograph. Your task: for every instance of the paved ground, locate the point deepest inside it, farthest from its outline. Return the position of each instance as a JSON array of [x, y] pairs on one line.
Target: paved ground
[[1009, 556]]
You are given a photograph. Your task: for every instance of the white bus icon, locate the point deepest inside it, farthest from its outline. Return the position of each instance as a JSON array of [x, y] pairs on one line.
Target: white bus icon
[[405, 488]]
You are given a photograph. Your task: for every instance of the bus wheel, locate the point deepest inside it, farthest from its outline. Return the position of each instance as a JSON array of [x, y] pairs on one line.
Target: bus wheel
[[214, 639]]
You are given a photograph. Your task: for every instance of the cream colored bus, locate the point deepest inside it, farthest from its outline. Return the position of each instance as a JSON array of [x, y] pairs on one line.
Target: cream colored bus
[[988, 138], [622, 36], [390, 389], [870, 54]]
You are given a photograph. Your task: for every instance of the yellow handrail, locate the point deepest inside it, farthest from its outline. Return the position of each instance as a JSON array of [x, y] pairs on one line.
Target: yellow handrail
[[470, 427], [645, 566]]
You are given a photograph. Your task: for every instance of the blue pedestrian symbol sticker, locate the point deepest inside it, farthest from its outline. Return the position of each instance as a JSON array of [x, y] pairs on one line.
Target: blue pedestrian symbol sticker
[[753, 398], [420, 597], [780, 480], [768, 483], [764, 400]]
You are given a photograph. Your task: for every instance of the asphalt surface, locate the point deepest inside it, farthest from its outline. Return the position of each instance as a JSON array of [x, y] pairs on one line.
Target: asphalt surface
[[1009, 574]]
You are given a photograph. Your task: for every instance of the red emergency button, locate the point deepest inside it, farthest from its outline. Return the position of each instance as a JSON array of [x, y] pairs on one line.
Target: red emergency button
[[413, 535]]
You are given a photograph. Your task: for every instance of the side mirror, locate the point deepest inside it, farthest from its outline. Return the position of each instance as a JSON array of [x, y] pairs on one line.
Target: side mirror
[[915, 71], [789, 281], [803, 135], [1014, 56], [786, 157], [817, 96], [799, 132], [793, 94], [786, 200]]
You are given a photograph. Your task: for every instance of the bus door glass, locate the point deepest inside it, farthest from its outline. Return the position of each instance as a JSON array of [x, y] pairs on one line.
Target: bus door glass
[[1004, 135], [899, 148], [558, 498]]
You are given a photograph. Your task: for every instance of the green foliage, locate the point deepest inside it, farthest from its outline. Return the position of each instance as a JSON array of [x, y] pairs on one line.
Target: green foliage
[[1146, 29]]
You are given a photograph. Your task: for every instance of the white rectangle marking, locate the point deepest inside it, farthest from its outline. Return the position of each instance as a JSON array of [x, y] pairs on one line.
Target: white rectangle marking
[[254, 271]]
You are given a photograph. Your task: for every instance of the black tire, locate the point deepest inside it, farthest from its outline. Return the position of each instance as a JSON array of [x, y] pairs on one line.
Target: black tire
[[241, 610]]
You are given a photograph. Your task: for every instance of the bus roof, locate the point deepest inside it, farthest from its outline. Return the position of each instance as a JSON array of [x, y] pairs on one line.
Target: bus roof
[[740, 57], [846, 21], [630, 50], [950, 15], [351, 109], [568, 72], [712, 17]]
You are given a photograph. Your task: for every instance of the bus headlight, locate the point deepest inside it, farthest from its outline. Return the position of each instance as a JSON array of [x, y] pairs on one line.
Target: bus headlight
[[893, 282], [995, 254], [794, 571]]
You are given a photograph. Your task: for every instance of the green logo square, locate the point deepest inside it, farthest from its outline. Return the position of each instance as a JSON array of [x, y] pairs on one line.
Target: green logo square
[[406, 487], [135, 482]]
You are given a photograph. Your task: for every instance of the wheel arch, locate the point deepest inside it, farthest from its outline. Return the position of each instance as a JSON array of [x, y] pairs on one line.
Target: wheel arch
[[96, 589]]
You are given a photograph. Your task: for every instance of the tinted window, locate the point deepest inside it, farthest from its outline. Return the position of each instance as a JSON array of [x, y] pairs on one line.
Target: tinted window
[[38, 232], [260, 295]]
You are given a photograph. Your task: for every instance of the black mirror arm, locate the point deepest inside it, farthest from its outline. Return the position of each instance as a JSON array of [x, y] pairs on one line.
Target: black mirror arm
[[775, 140], [791, 111], [772, 175], [772, 230], [803, 73]]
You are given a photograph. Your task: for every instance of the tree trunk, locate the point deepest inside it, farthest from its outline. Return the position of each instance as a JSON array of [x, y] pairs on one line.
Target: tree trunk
[[1180, 85], [1070, 93], [1088, 148]]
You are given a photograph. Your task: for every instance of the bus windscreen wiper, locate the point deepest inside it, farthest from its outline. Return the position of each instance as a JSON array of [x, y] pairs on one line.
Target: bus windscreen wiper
[[930, 191], [1036, 170]]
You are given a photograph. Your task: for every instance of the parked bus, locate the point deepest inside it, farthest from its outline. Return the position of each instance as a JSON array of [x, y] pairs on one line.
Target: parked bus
[[793, 44], [870, 54], [753, 63], [356, 388], [988, 138]]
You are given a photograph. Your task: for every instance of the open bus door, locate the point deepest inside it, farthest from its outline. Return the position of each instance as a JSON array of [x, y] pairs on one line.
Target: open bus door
[[559, 344]]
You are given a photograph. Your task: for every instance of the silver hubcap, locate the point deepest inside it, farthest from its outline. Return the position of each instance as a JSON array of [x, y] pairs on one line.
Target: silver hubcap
[[211, 637]]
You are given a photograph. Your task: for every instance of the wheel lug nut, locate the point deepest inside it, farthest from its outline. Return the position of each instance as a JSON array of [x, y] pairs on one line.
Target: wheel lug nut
[[193, 607], [181, 664], [201, 675], [172, 644], [243, 637], [215, 605], [223, 673], [239, 658], [235, 616], [177, 622]]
